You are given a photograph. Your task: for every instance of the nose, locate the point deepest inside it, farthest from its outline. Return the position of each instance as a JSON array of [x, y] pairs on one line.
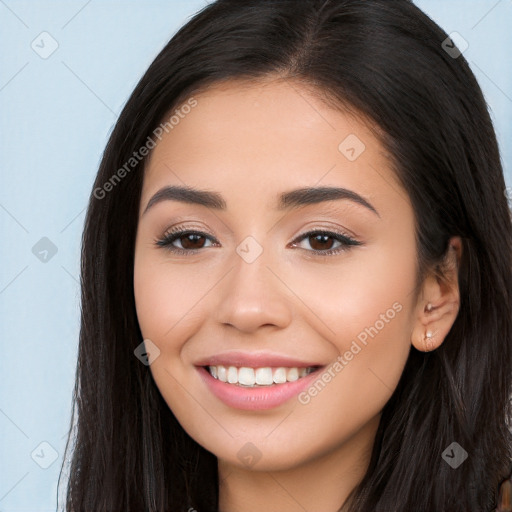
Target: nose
[[252, 296]]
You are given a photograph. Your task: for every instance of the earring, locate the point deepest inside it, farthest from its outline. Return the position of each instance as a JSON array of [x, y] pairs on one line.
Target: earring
[[429, 307], [429, 343]]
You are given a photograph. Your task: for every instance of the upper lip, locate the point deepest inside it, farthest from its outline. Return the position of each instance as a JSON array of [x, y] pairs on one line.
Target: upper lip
[[255, 360]]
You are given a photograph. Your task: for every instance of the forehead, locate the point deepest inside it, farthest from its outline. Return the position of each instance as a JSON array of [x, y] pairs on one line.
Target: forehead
[[253, 139]]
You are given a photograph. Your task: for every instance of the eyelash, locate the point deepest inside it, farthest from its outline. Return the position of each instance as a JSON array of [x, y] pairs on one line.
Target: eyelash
[[347, 242]]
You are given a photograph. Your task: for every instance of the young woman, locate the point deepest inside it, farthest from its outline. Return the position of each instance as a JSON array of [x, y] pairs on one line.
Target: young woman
[[296, 274]]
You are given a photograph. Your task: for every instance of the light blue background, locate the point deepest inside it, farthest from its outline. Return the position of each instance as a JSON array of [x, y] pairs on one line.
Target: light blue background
[[55, 117]]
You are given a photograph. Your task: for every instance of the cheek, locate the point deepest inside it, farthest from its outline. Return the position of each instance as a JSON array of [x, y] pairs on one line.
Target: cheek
[[365, 310], [168, 305], [372, 326], [356, 387], [359, 297], [166, 296]]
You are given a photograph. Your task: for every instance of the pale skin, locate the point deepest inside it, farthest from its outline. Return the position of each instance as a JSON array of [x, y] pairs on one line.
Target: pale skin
[[251, 143]]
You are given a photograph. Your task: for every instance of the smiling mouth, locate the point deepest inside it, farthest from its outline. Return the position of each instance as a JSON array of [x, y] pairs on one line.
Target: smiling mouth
[[255, 377]]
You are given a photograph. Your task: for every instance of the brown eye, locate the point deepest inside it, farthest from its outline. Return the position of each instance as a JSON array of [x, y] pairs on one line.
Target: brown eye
[[192, 241], [321, 242]]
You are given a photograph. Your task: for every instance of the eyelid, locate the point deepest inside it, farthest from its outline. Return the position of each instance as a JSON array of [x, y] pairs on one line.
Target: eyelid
[[186, 229]]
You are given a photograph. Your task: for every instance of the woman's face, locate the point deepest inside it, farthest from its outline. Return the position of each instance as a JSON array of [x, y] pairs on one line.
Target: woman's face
[[260, 287]]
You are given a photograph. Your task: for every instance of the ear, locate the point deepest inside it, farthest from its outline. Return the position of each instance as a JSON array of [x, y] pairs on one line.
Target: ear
[[438, 302]]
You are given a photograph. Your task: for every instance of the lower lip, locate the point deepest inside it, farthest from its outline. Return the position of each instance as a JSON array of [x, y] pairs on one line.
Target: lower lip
[[256, 398]]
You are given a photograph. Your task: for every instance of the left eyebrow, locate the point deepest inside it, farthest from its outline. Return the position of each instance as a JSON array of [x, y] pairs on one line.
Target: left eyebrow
[[304, 196], [287, 200]]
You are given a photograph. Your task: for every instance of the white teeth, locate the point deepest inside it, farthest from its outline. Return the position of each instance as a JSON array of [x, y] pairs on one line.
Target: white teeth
[[292, 374], [246, 376], [279, 375], [251, 377], [264, 376], [232, 375], [222, 374]]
